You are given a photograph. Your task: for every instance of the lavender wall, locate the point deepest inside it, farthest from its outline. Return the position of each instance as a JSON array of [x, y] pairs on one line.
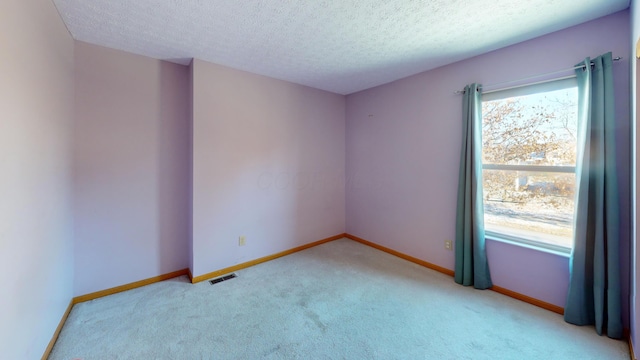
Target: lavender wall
[[403, 148], [268, 163], [131, 168], [635, 250], [36, 249]]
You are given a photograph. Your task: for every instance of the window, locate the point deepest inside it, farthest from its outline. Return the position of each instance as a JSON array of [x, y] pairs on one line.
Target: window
[[529, 159]]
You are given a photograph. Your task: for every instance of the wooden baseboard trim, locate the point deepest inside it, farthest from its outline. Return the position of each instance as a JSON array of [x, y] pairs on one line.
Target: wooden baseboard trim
[[54, 338], [631, 351], [401, 255], [247, 264], [498, 289], [528, 299], [133, 285]]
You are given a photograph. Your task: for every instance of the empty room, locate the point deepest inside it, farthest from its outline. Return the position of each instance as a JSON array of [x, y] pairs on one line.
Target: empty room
[[273, 179]]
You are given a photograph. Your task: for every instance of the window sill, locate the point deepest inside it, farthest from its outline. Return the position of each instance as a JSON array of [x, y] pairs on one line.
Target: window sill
[[559, 252]]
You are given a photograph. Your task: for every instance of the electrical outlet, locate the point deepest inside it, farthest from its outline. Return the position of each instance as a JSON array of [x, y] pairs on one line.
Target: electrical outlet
[[448, 244], [242, 241]]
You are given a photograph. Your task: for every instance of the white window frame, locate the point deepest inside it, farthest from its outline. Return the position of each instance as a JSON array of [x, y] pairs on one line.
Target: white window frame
[[522, 90]]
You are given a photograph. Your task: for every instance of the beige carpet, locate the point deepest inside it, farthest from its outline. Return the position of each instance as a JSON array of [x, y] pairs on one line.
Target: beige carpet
[[340, 300]]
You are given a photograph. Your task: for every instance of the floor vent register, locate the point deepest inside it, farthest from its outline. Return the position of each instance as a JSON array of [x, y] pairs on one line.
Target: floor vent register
[[222, 278]]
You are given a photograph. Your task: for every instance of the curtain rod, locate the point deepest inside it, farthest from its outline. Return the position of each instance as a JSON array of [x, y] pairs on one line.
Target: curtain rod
[[533, 77]]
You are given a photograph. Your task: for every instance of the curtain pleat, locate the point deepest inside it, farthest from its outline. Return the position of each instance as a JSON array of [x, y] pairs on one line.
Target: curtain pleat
[[594, 286], [471, 265]]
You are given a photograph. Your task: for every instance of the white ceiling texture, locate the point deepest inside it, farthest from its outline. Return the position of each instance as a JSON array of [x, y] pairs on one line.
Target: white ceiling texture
[[342, 46]]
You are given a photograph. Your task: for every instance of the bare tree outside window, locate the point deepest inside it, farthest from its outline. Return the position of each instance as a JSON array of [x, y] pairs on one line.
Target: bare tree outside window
[[529, 158]]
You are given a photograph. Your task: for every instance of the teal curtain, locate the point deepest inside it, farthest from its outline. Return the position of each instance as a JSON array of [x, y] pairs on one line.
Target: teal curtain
[[471, 266], [594, 286]]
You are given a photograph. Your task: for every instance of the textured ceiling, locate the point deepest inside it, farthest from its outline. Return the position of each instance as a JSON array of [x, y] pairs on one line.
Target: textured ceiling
[[341, 46]]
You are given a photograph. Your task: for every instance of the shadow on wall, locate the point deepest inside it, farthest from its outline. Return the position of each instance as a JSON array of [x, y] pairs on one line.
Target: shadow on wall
[[173, 148]]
